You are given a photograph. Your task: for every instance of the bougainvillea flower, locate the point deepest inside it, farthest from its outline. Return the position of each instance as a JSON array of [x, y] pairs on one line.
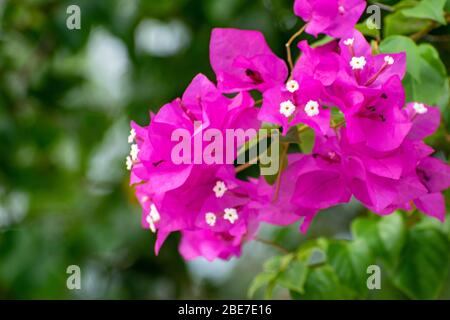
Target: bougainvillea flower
[[294, 103], [208, 244], [361, 68], [321, 63], [375, 155], [425, 120], [321, 181], [435, 176], [373, 116], [383, 181], [192, 197], [242, 60], [223, 221], [331, 17], [275, 204]]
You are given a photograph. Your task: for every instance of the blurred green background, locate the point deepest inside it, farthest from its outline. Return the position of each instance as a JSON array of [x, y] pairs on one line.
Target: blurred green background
[[66, 99]]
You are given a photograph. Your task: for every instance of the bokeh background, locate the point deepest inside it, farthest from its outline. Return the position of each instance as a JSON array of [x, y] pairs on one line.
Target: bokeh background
[[66, 99]]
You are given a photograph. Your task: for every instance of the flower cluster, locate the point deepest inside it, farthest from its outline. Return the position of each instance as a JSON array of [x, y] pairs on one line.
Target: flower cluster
[[374, 152]]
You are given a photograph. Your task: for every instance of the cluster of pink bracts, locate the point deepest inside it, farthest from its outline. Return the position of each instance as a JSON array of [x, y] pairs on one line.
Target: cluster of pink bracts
[[377, 156]]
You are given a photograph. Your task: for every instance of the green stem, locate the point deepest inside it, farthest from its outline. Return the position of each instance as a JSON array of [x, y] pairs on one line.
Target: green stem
[[272, 244], [288, 46]]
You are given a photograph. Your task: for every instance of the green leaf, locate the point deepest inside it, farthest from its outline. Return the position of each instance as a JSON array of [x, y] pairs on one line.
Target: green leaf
[[426, 79], [294, 277], [394, 44], [392, 233], [271, 271], [363, 27], [424, 263], [428, 9], [321, 42], [430, 55], [350, 261], [385, 236], [260, 281], [398, 23], [307, 138], [283, 163], [432, 87], [367, 230], [323, 283]]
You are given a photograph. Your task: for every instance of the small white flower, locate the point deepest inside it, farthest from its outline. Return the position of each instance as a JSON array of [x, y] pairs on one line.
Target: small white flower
[[230, 215], [312, 108], [341, 9], [358, 63], [420, 108], [134, 152], [129, 163], [349, 41], [292, 86], [151, 224], [287, 108], [132, 136], [219, 189], [154, 214], [389, 60], [210, 219]]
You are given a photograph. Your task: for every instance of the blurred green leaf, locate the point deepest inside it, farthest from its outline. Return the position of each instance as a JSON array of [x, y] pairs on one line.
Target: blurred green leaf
[[350, 261], [323, 283], [424, 263], [261, 280], [426, 79], [294, 276], [428, 9], [385, 236], [404, 44], [433, 86], [398, 24]]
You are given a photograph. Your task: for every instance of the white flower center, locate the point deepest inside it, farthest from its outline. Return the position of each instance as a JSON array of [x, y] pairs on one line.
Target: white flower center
[[129, 163], [134, 152], [210, 219], [151, 223], [219, 189], [132, 136], [292, 86], [312, 108], [358, 63], [389, 60], [152, 218], [420, 108], [230, 215], [154, 214], [287, 108], [341, 9], [349, 41]]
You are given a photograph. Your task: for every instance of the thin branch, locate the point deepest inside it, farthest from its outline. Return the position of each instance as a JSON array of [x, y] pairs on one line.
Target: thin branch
[[272, 244], [278, 182], [244, 166], [288, 46], [421, 33], [338, 125]]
